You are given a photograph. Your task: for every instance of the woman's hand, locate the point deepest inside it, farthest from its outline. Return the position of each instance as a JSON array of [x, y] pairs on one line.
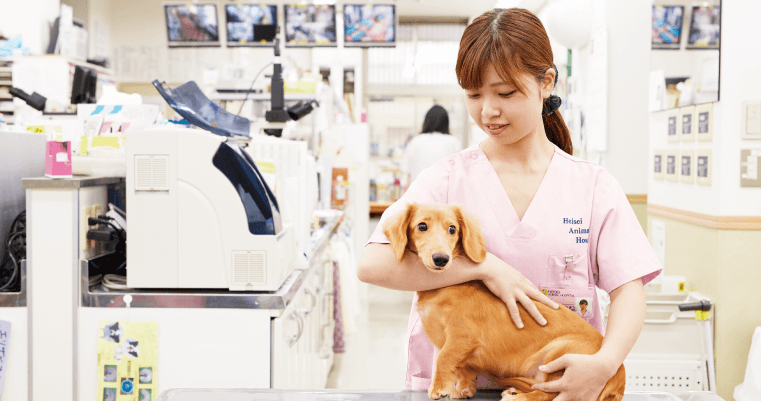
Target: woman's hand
[[584, 378], [512, 287]]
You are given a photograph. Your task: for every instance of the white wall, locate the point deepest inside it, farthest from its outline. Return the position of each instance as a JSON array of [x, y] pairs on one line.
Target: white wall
[[30, 18], [740, 57]]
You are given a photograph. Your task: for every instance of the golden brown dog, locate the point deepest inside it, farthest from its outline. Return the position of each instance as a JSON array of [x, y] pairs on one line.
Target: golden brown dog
[[472, 327]]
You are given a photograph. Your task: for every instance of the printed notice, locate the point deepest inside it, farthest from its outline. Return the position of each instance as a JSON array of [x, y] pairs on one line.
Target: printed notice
[[127, 361], [5, 335]]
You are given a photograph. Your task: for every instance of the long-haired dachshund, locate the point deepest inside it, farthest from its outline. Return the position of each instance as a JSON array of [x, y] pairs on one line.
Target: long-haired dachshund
[[472, 327]]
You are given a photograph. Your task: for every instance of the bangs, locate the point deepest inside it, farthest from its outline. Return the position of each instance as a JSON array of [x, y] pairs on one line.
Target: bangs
[[479, 49]]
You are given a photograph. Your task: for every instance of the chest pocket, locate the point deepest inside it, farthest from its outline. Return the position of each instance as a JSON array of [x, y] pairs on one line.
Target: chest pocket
[[568, 270]]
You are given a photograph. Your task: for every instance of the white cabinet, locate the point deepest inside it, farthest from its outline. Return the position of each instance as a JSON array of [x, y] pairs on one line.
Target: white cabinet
[[302, 337]]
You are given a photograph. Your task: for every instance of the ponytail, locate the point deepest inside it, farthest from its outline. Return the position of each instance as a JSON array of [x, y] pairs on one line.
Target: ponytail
[[557, 131]]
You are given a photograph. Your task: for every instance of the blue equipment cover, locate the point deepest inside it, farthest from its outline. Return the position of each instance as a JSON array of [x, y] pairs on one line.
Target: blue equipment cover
[[189, 102]]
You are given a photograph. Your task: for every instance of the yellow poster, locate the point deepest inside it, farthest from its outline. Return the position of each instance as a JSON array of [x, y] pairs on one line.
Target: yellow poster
[[127, 361]]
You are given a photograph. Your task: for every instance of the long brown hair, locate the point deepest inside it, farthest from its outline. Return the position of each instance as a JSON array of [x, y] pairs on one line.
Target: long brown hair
[[513, 41]]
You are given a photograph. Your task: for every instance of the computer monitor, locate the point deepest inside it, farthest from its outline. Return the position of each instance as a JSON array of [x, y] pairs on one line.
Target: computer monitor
[[705, 28], [370, 25], [251, 24], [667, 27], [84, 85], [310, 25], [192, 24]]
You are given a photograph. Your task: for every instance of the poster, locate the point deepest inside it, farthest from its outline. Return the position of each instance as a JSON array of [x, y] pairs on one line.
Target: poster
[[127, 361], [5, 334]]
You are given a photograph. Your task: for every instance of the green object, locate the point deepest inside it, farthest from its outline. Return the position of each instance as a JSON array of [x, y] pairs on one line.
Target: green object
[[569, 63]]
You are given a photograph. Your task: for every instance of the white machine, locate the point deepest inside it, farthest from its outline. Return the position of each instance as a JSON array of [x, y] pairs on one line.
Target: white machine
[[200, 215]]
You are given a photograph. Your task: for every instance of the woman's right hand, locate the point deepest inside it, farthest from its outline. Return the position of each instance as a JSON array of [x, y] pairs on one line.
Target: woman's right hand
[[512, 287]]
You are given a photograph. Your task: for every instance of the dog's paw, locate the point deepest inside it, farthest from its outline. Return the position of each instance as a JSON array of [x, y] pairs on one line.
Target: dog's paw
[[464, 393], [435, 394]]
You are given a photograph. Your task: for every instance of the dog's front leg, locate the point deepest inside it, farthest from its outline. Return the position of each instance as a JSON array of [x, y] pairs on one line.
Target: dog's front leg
[[465, 387], [444, 377]]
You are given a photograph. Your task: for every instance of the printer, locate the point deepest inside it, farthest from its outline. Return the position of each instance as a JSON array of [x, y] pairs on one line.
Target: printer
[[201, 214]]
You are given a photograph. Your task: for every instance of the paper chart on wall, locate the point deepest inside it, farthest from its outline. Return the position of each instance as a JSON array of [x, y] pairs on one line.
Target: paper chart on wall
[[127, 361], [5, 334]]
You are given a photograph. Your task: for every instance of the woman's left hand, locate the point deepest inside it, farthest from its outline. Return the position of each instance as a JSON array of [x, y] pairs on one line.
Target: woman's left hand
[[583, 380]]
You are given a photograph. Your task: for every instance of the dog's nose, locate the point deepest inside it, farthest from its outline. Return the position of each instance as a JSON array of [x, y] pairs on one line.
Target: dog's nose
[[440, 260]]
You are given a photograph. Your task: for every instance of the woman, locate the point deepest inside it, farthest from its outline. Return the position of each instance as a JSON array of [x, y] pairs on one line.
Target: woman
[[549, 220], [424, 150]]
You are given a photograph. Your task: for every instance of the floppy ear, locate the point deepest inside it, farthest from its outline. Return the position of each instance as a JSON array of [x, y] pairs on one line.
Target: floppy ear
[[396, 230], [470, 236]]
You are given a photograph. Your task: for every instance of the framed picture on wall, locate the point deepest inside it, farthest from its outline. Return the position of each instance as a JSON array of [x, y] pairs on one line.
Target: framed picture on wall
[[667, 27], [658, 164], [686, 166], [703, 161], [674, 126], [687, 119], [705, 27], [704, 115], [671, 165]]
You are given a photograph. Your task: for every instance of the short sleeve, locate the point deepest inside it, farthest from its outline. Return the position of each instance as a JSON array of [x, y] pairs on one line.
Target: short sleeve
[[431, 186], [620, 249]]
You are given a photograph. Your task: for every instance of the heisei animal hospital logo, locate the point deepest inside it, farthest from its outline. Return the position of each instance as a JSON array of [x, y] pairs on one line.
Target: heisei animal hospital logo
[[576, 231]]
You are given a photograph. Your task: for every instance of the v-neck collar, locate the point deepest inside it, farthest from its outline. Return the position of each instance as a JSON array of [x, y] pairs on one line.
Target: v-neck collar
[[503, 208]]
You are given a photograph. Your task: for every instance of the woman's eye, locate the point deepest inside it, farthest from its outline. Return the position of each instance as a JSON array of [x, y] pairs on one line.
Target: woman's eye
[[452, 230], [422, 226], [476, 96], [507, 94]]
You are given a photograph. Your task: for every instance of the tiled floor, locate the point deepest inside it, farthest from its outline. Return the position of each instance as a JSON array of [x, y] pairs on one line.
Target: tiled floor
[[376, 354]]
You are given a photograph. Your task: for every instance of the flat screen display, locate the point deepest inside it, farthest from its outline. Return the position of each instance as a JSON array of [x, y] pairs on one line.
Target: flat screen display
[[310, 25], [250, 24], [667, 27], [192, 24], [369, 25], [705, 28]]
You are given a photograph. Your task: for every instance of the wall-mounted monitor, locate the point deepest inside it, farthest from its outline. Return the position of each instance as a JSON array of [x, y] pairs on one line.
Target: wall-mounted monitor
[[705, 28], [369, 25], [667, 27], [308, 25], [251, 24], [191, 24]]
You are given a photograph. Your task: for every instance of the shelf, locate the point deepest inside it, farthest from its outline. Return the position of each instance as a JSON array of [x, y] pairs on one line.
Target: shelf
[[260, 96], [413, 90], [106, 71]]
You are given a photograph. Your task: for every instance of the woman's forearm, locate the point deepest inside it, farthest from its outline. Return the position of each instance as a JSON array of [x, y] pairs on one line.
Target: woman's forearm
[[625, 321], [378, 266]]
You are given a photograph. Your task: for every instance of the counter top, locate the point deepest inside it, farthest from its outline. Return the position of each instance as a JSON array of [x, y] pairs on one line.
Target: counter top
[[77, 181], [100, 297], [387, 395]]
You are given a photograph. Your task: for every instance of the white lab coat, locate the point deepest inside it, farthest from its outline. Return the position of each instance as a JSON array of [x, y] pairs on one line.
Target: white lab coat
[[426, 149]]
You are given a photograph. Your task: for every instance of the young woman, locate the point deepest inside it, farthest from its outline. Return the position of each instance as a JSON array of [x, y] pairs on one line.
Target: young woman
[[554, 225], [433, 143]]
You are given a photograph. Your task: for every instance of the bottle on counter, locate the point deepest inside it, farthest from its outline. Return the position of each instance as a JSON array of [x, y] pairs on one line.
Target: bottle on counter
[[397, 189], [373, 191]]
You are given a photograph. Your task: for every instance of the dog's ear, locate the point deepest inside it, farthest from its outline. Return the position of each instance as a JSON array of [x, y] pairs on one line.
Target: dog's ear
[[470, 235], [396, 230]]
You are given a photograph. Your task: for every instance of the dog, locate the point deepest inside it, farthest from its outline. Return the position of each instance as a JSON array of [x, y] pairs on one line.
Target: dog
[[472, 327]]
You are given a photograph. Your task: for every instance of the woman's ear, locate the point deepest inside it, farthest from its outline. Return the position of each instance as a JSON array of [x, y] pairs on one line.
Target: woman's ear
[[396, 230], [470, 236], [548, 83]]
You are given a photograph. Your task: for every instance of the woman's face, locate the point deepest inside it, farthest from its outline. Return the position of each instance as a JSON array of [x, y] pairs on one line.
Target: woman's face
[[503, 112]]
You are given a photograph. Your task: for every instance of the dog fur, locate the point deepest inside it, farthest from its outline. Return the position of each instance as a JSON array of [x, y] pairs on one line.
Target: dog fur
[[472, 327]]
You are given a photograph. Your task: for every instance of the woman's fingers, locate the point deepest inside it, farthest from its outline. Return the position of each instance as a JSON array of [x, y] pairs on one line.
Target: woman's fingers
[[537, 295], [512, 307], [531, 309]]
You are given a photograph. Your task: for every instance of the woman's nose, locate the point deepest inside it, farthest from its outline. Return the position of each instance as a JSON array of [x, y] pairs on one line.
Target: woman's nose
[[489, 110]]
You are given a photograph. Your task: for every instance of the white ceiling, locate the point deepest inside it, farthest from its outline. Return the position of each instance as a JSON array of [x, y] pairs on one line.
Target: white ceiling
[[456, 8]]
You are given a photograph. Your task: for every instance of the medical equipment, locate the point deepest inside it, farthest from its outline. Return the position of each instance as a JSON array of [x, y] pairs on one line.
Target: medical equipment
[[200, 213]]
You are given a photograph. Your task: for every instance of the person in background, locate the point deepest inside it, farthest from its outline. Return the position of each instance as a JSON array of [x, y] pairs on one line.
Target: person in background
[[431, 145]]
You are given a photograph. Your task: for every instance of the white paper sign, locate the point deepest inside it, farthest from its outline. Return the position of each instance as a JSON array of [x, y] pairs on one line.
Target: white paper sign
[[5, 335]]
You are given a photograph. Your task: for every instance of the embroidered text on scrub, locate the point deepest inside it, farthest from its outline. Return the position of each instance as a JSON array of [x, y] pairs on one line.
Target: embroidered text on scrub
[[568, 267]]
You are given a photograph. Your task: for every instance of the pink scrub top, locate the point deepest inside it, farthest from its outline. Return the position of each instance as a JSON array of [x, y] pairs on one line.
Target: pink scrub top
[[579, 232]]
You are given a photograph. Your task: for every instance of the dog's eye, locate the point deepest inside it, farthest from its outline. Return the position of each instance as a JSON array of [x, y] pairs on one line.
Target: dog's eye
[[452, 230], [422, 226]]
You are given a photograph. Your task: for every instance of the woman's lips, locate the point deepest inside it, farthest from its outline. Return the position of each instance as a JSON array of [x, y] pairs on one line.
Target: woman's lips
[[496, 129]]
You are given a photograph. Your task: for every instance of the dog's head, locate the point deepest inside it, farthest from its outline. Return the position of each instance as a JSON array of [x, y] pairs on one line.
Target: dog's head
[[438, 233]]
